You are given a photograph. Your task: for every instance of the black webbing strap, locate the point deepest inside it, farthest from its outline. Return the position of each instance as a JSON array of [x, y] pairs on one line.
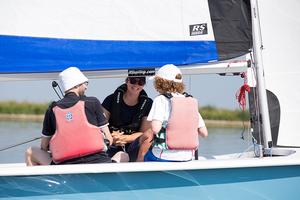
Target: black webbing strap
[[196, 154]]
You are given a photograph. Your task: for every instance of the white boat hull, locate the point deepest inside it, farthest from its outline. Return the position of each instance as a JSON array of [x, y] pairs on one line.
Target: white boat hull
[[220, 178]]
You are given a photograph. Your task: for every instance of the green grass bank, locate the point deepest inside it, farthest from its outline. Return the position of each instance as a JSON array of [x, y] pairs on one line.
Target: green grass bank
[[27, 111]]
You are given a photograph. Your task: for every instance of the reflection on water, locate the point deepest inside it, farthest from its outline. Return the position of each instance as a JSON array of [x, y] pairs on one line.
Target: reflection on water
[[219, 141]]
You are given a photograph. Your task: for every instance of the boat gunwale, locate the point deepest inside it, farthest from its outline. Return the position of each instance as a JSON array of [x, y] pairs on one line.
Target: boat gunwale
[[20, 169]]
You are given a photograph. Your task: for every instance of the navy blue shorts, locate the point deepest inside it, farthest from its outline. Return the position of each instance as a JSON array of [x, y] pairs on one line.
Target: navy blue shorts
[[151, 157]]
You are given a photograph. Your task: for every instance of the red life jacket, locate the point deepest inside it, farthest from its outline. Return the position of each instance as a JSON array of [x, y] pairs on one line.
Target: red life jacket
[[74, 136], [182, 127]]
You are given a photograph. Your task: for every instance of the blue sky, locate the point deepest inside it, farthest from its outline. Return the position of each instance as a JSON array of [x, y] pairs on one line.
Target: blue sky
[[209, 89]]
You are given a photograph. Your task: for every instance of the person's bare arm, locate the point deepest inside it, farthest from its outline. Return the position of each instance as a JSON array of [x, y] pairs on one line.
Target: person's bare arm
[[203, 131], [156, 126], [145, 125], [45, 143], [120, 139], [107, 134]]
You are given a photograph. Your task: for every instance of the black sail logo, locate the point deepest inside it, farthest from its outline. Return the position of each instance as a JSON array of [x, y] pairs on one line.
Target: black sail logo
[[198, 29]]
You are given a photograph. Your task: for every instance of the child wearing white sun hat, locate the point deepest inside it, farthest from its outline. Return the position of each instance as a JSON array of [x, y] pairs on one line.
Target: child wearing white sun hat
[[175, 120], [169, 72]]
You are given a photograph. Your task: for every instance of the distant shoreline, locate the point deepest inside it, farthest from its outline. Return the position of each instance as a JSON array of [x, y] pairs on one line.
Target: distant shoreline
[[22, 117], [39, 118], [226, 123]]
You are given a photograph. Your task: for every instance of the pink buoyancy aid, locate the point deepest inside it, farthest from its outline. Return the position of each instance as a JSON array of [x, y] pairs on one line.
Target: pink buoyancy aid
[[182, 127], [74, 136]]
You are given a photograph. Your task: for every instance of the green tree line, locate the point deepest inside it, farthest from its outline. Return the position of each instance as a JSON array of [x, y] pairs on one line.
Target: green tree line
[[213, 113], [207, 112], [13, 107]]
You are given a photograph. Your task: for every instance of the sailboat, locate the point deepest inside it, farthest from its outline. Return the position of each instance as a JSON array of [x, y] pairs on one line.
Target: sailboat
[[38, 39]]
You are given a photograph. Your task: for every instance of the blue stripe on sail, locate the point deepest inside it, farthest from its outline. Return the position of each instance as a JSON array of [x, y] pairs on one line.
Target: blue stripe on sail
[[35, 54]]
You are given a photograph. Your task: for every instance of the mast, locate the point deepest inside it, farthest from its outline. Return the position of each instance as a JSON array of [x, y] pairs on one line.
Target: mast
[[258, 62]]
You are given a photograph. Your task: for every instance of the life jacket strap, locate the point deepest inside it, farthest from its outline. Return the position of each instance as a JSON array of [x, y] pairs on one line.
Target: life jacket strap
[[158, 140], [169, 95]]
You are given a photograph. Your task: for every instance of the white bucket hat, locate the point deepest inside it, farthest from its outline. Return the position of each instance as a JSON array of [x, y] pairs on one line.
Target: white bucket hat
[[168, 72], [71, 77]]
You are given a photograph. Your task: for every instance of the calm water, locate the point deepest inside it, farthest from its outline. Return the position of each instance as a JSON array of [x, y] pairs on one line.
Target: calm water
[[219, 141]]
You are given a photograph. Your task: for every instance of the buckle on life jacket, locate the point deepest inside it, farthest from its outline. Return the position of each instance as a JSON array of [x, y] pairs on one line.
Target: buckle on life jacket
[[158, 140]]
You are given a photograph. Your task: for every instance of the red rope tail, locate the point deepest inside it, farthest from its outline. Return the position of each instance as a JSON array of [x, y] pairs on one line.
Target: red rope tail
[[241, 95]]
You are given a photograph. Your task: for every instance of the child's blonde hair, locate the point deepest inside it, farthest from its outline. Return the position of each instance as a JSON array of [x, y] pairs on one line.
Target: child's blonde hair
[[165, 86]]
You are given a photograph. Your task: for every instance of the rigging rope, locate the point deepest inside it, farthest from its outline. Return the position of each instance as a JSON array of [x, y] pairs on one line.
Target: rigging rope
[[15, 145], [241, 97]]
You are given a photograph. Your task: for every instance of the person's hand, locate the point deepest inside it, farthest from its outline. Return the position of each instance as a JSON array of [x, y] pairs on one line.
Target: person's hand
[[121, 140], [117, 138]]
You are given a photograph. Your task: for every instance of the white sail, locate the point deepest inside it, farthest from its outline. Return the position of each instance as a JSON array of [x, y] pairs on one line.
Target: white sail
[[109, 20], [280, 27], [103, 36]]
